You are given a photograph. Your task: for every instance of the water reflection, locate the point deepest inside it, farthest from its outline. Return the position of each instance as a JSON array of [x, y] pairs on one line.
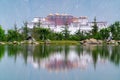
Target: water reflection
[[2, 51], [63, 57]]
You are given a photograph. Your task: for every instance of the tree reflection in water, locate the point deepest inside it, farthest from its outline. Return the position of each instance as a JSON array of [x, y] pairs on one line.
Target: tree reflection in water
[[63, 57], [2, 51]]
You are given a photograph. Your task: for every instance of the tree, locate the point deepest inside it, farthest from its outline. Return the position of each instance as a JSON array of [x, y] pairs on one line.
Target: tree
[[13, 35], [115, 30], [16, 31], [39, 23], [41, 33], [15, 27], [58, 36], [34, 33], [94, 29], [2, 34], [104, 33], [25, 30], [44, 33], [79, 35], [66, 32]]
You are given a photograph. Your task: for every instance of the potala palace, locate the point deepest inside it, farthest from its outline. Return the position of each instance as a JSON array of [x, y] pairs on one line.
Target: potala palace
[[56, 22]]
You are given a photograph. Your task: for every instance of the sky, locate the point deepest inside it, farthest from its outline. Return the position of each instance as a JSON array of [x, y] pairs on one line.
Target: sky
[[18, 11]]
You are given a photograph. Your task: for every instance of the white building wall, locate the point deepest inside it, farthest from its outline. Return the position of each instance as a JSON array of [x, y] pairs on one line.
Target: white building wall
[[81, 24]]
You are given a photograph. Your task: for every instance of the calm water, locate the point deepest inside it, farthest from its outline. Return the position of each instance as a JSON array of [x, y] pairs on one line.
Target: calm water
[[55, 62]]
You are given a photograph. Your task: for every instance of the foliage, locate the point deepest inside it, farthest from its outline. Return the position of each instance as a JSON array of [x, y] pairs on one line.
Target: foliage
[[79, 35], [104, 33], [115, 29], [66, 32], [2, 51], [25, 30], [2, 34], [13, 36], [40, 33], [94, 31], [55, 36]]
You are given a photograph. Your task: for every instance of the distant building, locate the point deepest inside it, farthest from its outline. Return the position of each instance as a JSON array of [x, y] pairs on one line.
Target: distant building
[[60, 19], [56, 22]]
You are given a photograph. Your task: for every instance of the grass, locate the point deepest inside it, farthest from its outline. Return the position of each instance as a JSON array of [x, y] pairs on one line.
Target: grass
[[60, 42], [64, 42]]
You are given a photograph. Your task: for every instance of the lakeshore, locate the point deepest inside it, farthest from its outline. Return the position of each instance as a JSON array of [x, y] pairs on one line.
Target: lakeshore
[[41, 42], [62, 42]]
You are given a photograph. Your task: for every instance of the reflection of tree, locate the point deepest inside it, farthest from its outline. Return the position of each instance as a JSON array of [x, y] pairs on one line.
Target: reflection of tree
[[40, 52], [2, 51], [87, 48], [115, 56], [25, 52], [103, 51], [95, 56], [13, 50], [79, 49], [43, 51], [66, 49]]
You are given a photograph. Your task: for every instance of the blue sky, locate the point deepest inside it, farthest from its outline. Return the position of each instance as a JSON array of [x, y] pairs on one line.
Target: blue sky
[[17, 11]]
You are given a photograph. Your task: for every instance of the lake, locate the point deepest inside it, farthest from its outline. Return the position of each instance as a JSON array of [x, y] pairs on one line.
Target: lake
[[59, 62]]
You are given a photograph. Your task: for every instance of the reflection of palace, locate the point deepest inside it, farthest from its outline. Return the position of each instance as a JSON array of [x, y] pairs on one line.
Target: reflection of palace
[[72, 61], [63, 57], [62, 62]]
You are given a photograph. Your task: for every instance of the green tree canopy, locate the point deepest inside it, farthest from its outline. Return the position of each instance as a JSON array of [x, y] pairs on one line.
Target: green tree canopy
[[66, 32], [2, 34], [115, 29]]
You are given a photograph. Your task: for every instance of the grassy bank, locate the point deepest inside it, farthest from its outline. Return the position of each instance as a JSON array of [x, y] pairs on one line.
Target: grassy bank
[[61, 42], [65, 42]]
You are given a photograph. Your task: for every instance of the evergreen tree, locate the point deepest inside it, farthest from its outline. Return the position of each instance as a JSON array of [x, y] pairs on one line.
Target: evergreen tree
[[79, 35], [95, 29], [25, 30], [66, 32]]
